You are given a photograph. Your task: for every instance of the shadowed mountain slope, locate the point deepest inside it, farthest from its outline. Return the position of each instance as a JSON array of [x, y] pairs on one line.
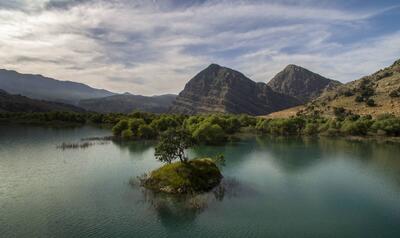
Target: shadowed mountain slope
[[300, 83], [18, 103], [126, 103], [223, 90], [40, 87], [376, 94]]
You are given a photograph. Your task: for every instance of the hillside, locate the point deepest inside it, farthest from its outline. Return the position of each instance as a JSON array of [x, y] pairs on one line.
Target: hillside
[[223, 90], [126, 103], [373, 95], [300, 83], [40, 87], [18, 103]]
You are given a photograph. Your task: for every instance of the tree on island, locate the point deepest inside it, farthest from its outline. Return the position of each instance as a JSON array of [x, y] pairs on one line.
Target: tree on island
[[172, 145]]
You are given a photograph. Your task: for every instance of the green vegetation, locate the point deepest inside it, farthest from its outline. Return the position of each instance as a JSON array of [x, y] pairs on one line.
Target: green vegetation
[[194, 176], [172, 145], [366, 90], [346, 124], [212, 129], [215, 129], [61, 118], [185, 176]]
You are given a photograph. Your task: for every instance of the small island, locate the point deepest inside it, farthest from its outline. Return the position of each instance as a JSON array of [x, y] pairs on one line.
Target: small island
[[194, 176], [185, 176]]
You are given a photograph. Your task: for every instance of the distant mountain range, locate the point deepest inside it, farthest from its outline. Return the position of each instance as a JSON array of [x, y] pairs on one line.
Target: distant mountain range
[[66, 92], [126, 103], [18, 103], [223, 90], [44, 88], [215, 89]]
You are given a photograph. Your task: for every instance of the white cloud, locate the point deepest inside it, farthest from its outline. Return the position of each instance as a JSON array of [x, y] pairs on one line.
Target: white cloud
[[152, 48]]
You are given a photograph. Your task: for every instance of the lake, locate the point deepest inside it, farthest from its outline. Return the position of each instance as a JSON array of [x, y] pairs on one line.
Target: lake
[[273, 187]]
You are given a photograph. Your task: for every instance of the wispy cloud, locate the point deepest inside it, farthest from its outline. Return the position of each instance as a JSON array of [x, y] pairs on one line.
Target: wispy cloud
[[155, 47]]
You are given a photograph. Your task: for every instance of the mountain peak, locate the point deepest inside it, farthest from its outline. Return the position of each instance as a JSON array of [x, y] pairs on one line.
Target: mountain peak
[[293, 67], [300, 83], [397, 62], [220, 89], [214, 66]]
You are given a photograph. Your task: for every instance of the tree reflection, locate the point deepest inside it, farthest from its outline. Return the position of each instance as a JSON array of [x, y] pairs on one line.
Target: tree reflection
[[178, 211], [292, 154], [135, 148]]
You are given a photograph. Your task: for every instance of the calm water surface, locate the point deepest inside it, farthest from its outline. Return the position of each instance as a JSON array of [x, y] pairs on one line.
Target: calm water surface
[[272, 188]]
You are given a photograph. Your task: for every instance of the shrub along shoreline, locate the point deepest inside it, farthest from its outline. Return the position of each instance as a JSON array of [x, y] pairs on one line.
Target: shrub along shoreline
[[215, 129]]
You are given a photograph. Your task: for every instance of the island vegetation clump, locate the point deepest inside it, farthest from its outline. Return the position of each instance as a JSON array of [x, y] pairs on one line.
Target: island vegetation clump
[[185, 176]]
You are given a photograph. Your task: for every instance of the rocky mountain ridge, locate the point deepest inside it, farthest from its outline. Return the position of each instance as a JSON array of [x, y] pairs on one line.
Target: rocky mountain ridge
[[300, 83], [218, 89]]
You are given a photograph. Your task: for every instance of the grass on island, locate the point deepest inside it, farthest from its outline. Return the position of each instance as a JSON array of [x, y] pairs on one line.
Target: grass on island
[[197, 175]]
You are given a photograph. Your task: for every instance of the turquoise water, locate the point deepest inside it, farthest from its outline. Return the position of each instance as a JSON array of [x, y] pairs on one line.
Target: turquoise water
[[272, 188]]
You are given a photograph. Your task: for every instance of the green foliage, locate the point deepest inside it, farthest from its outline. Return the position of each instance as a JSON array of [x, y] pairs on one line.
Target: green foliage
[[146, 132], [134, 125], [172, 145], [219, 160], [246, 120], [126, 134], [197, 175], [232, 125], [311, 128], [164, 122], [390, 125], [340, 112], [209, 133], [286, 126], [356, 128], [370, 102], [120, 126]]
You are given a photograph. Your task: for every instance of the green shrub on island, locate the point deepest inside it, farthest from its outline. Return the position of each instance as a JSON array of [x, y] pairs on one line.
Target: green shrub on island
[[172, 145], [184, 176], [194, 176]]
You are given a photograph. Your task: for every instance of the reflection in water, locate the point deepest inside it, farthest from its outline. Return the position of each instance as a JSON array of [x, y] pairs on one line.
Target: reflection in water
[[135, 148], [291, 154], [183, 209], [286, 187]]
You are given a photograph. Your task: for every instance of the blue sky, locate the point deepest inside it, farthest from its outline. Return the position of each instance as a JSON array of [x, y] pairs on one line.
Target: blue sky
[[155, 47]]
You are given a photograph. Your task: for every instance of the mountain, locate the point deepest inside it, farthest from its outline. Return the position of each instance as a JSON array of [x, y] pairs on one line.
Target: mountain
[[300, 83], [18, 103], [40, 87], [126, 103], [374, 95], [223, 90]]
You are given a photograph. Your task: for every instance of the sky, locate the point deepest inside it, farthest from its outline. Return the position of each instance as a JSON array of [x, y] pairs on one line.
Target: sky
[[154, 47]]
